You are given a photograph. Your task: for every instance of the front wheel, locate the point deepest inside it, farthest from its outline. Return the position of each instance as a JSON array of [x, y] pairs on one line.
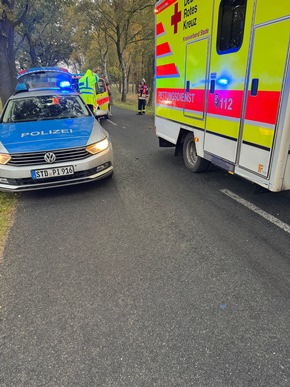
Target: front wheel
[[192, 161]]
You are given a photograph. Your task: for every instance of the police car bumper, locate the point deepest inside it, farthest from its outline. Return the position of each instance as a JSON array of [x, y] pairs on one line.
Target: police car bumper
[[43, 176]]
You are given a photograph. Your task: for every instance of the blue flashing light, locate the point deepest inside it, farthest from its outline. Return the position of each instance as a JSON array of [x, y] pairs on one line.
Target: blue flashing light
[[22, 87], [223, 81], [64, 84]]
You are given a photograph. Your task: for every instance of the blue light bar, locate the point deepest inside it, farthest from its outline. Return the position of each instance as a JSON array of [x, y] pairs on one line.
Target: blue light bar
[[22, 87]]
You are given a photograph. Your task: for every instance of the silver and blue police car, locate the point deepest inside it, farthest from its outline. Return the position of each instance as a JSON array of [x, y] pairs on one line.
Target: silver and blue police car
[[50, 138]]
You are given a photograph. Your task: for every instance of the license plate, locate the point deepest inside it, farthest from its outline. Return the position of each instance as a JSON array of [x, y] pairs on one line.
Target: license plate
[[52, 172]]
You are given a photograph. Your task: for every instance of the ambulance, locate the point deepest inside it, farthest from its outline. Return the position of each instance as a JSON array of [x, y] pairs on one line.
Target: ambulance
[[102, 106], [222, 86]]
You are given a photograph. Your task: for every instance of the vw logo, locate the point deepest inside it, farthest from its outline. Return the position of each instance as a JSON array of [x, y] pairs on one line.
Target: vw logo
[[49, 157]]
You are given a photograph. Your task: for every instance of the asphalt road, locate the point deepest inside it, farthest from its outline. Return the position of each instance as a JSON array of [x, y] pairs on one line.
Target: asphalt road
[[152, 278]]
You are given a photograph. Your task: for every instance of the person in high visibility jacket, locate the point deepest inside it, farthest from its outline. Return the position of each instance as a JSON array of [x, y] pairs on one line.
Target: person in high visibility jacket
[[142, 96], [87, 88]]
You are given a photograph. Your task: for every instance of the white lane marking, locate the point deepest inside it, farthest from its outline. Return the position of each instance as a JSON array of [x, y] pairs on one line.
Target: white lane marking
[[113, 123], [257, 210]]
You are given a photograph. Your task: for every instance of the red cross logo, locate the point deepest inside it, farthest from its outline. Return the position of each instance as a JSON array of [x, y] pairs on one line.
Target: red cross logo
[[176, 18]]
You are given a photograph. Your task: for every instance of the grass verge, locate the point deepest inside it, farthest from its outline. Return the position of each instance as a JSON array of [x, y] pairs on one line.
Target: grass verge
[[7, 209], [131, 104]]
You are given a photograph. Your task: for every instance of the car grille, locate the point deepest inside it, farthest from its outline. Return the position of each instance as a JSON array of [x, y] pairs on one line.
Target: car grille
[[36, 158]]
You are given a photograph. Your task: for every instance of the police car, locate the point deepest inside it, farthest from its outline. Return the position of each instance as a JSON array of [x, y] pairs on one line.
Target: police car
[[49, 137]]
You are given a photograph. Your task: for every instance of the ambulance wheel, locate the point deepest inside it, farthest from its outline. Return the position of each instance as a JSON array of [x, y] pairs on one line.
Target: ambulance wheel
[[192, 161]]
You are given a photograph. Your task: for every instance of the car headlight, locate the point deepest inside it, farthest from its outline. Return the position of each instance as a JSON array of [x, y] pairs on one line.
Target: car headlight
[[4, 158], [98, 146]]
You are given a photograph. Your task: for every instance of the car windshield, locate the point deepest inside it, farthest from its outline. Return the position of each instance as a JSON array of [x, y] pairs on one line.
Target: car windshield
[[39, 108]]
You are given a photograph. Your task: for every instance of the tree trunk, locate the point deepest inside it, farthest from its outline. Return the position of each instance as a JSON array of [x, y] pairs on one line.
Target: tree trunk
[[104, 64], [32, 53], [7, 60], [124, 81], [151, 93], [128, 78], [151, 87], [123, 67]]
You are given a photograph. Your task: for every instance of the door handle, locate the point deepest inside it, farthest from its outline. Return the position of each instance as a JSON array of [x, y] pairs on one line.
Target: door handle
[[254, 87], [212, 86]]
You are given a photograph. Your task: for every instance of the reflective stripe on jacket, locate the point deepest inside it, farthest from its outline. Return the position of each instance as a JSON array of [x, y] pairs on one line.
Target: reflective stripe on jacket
[[87, 87], [142, 91]]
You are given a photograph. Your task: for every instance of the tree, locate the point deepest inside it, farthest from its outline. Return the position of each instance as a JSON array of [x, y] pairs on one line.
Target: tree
[[32, 32], [11, 17], [124, 23], [106, 36], [46, 34]]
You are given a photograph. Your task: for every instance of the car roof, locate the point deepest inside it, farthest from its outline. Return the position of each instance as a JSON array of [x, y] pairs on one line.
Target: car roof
[[43, 92]]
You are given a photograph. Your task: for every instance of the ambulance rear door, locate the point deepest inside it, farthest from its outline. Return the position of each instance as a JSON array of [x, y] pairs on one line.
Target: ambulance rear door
[[102, 97]]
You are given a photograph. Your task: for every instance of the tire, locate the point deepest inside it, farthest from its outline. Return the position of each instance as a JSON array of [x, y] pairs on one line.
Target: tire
[[192, 161]]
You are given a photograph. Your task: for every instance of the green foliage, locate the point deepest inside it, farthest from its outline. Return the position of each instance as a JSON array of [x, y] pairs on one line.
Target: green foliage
[[131, 102], [114, 36], [115, 75], [43, 38], [125, 25]]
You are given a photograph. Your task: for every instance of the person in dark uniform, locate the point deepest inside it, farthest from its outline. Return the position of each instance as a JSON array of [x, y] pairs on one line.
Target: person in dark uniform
[[142, 96]]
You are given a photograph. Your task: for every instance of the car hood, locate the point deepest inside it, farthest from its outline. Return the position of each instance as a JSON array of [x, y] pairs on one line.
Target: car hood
[[49, 135]]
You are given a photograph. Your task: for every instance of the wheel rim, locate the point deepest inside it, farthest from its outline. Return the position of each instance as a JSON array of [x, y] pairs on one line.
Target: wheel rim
[[191, 153]]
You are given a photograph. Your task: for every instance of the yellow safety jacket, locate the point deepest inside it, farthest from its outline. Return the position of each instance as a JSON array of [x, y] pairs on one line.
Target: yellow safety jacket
[[87, 87]]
